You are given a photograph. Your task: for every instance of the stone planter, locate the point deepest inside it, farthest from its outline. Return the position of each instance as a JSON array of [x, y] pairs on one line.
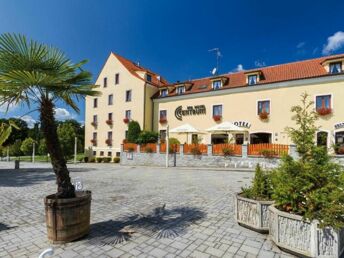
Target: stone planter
[[302, 238], [252, 214], [67, 219]]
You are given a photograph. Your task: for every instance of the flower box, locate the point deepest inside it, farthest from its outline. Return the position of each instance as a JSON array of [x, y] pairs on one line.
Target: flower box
[[94, 142], [252, 214], [291, 233], [94, 123], [163, 120], [126, 120], [263, 115], [108, 141], [217, 118], [324, 111], [109, 122]]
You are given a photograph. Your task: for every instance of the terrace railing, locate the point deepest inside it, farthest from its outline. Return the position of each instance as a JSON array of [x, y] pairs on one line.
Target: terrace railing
[[227, 149], [149, 148], [268, 149], [195, 148], [130, 147]]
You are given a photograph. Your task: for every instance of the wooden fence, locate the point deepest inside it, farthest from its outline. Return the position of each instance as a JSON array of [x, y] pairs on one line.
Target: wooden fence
[[227, 149], [268, 149], [195, 149], [130, 147], [149, 148], [175, 148]]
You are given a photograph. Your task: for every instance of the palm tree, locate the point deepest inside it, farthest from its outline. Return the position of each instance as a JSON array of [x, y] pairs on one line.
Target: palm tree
[[35, 73]]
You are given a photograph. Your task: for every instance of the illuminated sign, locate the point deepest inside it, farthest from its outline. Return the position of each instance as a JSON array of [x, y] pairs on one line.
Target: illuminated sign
[[189, 111]]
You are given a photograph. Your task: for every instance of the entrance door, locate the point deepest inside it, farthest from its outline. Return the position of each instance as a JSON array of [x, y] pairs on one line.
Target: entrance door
[[256, 138], [219, 138], [239, 138]]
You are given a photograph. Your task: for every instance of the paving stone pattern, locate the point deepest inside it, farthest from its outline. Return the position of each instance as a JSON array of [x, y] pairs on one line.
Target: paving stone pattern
[[136, 212]]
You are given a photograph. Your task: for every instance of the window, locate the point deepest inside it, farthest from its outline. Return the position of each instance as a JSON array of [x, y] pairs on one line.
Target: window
[[217, 110], [163, 93], [217, 84], [94, 153], [109, 135], [95, 102], [162, 135], [109, 154], [102, 153], [128, 96], [128, 114], [110, 99], [264, 106], [105, 82], [323, 102], [117, 78], [94, 136], [252, 79], [180, 90], [110, 116], [336, 67], [149, 77], [95, 119], [163, 114]]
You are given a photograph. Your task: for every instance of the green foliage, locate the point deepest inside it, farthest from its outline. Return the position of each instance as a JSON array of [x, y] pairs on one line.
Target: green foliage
[[172, 143], [27, 146], [227, 151], [15, 148], [303, 136], [99, 159], [5, 132], [149, 150], [147, 137], [86, 159], [261, 186], [116, 159], [18, 132], [266, 153], [134, 131], [107, 160], [42, 148], [92, 160], [66, 134]]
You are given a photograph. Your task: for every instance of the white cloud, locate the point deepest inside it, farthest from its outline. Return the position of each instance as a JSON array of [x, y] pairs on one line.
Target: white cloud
[[259, 63], [4, 108], [334, 42], [62, 114], [301, 44], [29, 120], [239, 68]]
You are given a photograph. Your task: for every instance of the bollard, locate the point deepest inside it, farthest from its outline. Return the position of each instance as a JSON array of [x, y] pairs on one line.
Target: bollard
[[16, 164]]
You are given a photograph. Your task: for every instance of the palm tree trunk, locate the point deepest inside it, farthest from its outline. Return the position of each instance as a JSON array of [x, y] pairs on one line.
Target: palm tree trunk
[[65, 189]]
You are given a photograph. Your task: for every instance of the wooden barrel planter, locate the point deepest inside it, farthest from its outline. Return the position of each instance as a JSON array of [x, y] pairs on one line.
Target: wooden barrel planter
[[252, 214], [67, 219]]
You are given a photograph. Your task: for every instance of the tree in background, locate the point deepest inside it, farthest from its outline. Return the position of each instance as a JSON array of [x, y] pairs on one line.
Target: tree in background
[[66, 134], [27, 146], [31, 72], [14, 149], [19, 132], [134, 131], [42, 147], [147, 137]]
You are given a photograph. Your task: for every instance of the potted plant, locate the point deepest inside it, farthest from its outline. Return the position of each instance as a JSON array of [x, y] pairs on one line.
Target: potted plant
[[264, 115], [116, 160], [94, 142], [126, 120], [93, 123], [109, 122], [48, 71], [163, 120], [307, 217], [251, 205], [217, 118], [324, 111]]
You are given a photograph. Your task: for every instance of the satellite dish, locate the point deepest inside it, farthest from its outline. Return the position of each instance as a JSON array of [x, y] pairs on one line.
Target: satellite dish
[[213, 72]]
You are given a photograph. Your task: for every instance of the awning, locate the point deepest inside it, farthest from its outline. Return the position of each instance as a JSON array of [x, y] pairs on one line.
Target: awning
[[225, 127]]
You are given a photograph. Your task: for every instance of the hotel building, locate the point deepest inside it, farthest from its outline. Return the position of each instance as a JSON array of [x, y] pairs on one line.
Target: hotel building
[[258, 100]]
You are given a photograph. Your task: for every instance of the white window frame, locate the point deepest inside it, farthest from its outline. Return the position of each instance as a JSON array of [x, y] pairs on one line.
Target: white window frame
[[259, 100], [180, 87], [320, 95], [213, 82], [110, 104], [212, 108], [248, 79], [332, 63], [125, 115], [164, 90], [131, 95]]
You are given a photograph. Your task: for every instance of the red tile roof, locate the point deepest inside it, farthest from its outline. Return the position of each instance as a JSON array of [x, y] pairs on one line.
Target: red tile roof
[[272, 74], [134, 68]]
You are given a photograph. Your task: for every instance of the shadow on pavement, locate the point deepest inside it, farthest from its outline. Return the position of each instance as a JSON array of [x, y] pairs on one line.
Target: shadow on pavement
[[159, 223], [4, 227]]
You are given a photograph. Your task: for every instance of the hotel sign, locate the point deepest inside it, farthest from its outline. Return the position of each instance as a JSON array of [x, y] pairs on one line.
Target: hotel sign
[[243, 124], [189, 111], [339, 125]]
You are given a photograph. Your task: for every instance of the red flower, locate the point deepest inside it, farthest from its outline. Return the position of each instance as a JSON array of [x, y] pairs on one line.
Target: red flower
[[109, 122], [126, 120], [163, 120], [108, 141], [217, 118], [323, 111], [264, 115]]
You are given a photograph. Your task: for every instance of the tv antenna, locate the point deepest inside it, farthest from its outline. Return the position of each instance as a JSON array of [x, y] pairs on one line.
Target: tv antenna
[[218, 56]]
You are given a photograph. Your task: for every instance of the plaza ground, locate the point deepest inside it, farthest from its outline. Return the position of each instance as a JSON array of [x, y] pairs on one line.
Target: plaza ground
[[136, 212]]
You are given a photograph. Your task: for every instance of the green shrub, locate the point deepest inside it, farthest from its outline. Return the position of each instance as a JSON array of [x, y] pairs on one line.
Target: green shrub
[[261, 186], [92, 160], [134, 131], [147, 137], [99, 159], [227, 151], [85, 159], [172, 142], [107, 160], [116, 159], [267, 153]]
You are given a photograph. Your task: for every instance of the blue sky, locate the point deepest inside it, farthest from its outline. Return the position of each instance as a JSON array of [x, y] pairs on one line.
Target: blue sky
[[172, 38]]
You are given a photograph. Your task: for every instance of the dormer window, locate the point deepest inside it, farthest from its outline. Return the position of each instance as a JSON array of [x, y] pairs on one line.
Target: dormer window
[[163, 93], [149, 77], [252, 79], [335, 67], [180, 90], [217, 84]]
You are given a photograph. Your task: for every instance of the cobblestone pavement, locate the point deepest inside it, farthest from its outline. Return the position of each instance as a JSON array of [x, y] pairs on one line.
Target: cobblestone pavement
[[136, 212]]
